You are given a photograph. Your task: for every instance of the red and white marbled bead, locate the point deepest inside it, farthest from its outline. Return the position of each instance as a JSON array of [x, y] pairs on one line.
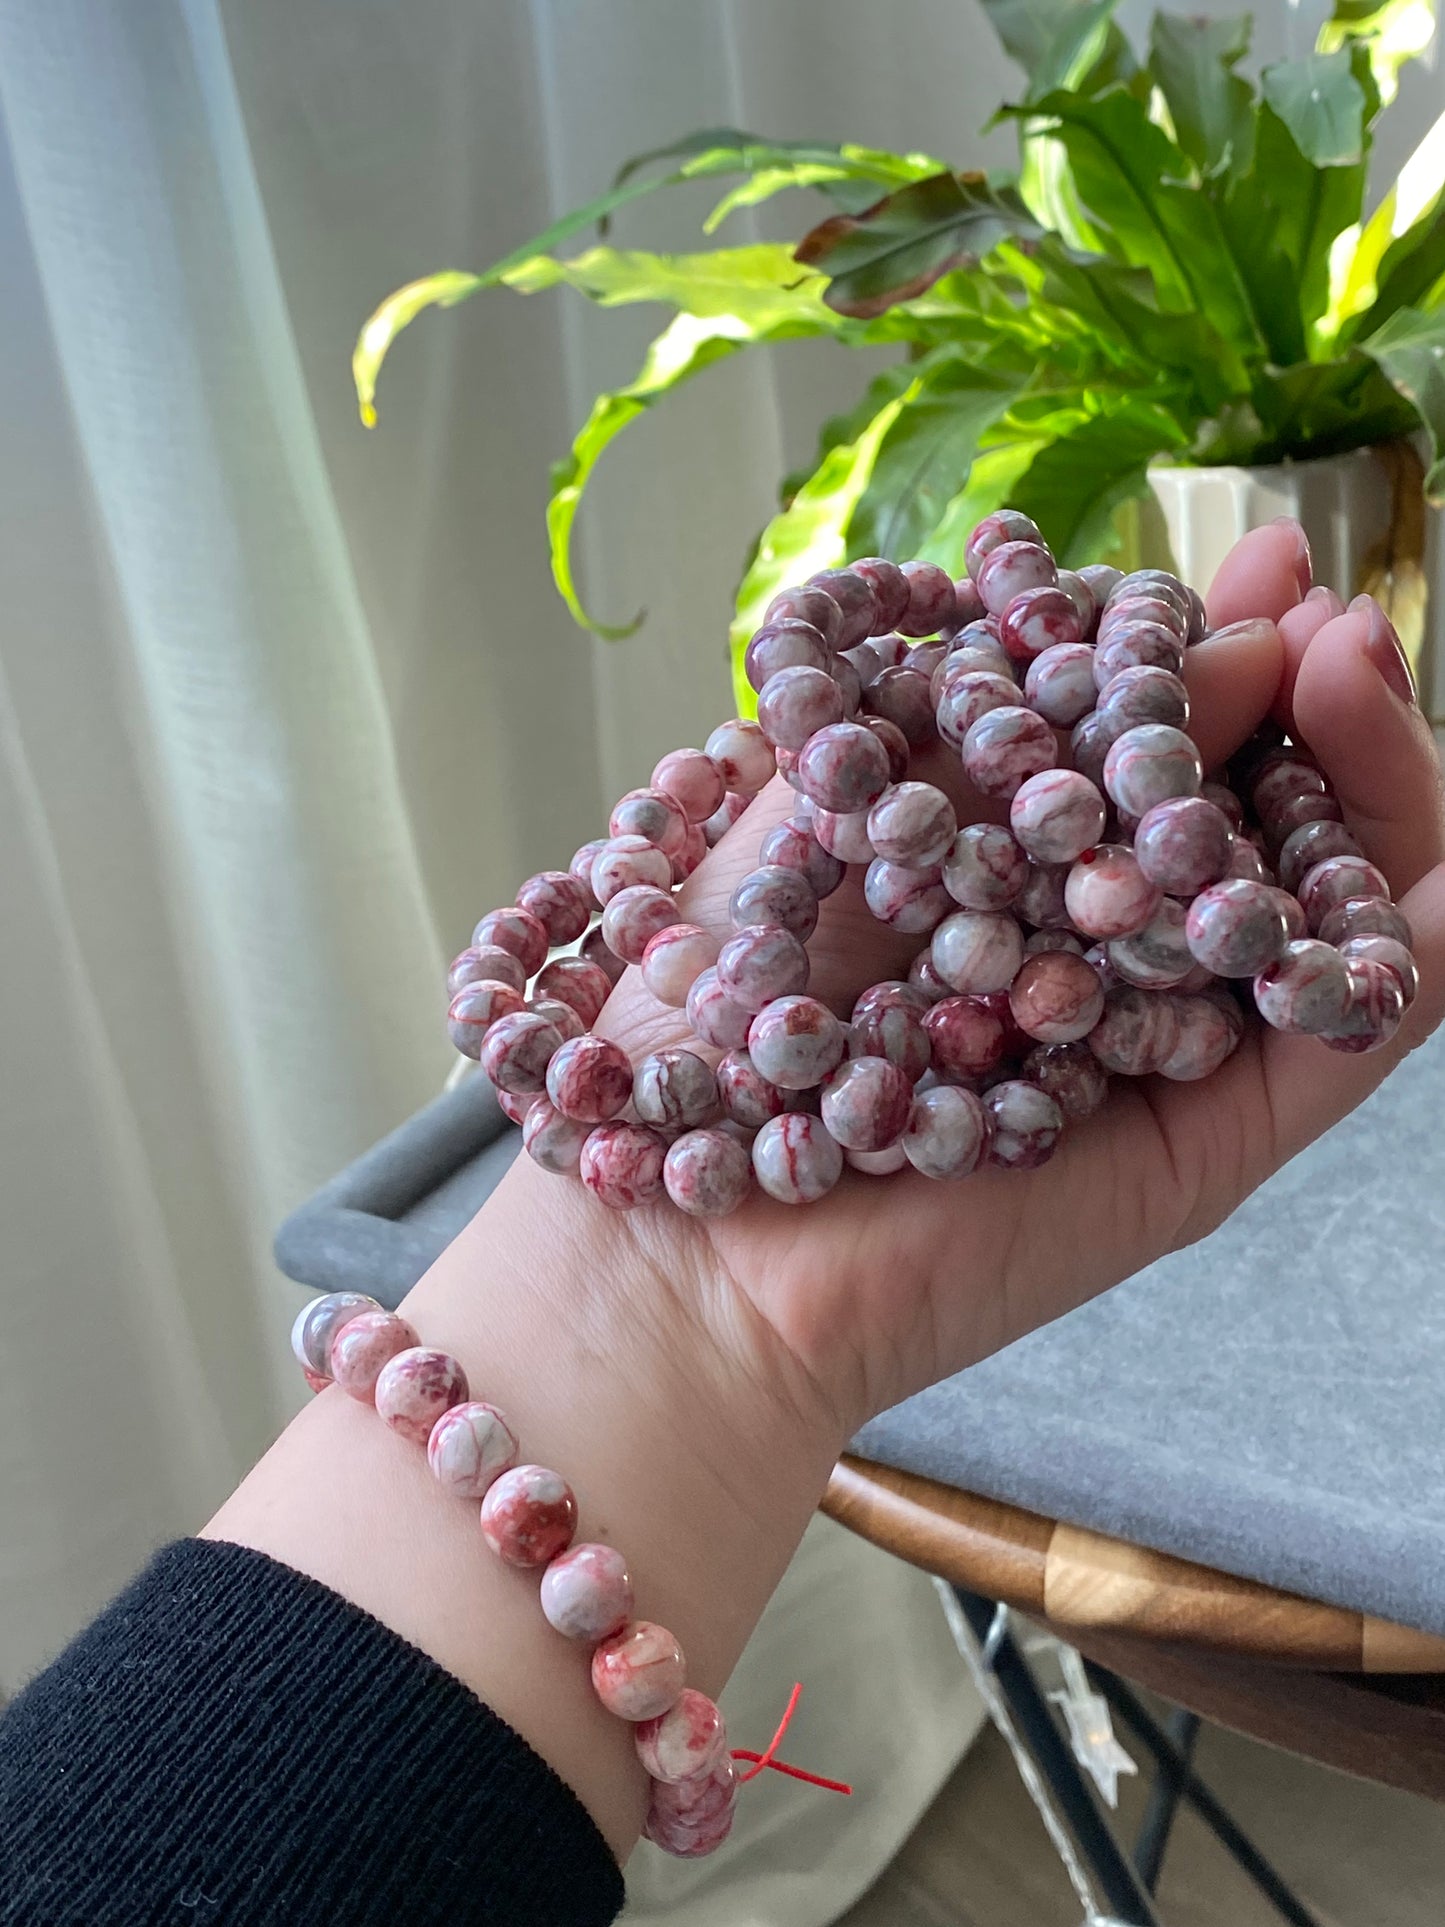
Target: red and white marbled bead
[[748, 1099], [899, 695], [594, 950], [1132, 609], [1149, 764], [518, 1109], [1157, 957], [1041, 901], [1236, 928], [485, 963], [932, 604], [1146, 694], [1071, 1074], [693, 780], [1336, 881], [590, 1079], [1284, 779], [887, 1021], [731, 810], [694, 849], [580, 982], [633, 918], [529, 1516], [795, 1159], [1246, 864], [894, 742], [586, 1592], [1377, 1005], [743, 755], [947, 1132], [638, 1673], [563, 1019], [967, 698], [684, 1743], [583, 857], [967, 1036], [469, 1448], [976, 652], [1039, 619], [1041, 941], [1134, 644], [867, 1103], [889, 585], [559, 902], [1209, 1030], [783, 645], [1082, 596], [985, 869], [845, 837], [415, 1387], [1392, 954], [626, 861], [855, 598], [1137, 1032], [1307, 989], [552, 1140], [843, 768], [1090, 741], [1107, 895], [693, 1817], [808, 604], [1004, 525], [1057, 815], [976, 951], [877, 1164], [1365, 917], [707, 1174], [1225, 801], [792, 846], [652, 815], [1183, 845], [517, 930], [317, 1323], [906, 899], [796, 703], [363, 1346], [760, 964], [775, 895], [1056, 998], [516, 1051], [473, 1011], [1005, 748], [1011, 568], [1310, 844], [795, 1041], [674, 1090], [922, 976], [713, 1015], [1025, 1125], [1059, 685], [674, 960], [1294, 916], [621, 1165], [914, 824]]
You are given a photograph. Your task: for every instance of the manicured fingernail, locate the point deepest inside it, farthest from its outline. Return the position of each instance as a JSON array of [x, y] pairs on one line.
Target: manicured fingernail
[[1328, 597], [1383, 648], [1251, 629], [1303, 568]]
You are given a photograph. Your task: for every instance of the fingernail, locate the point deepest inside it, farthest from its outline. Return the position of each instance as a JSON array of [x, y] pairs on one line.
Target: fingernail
[[1251, 629], [1328, 597], [1303, 568], [1383, 648]]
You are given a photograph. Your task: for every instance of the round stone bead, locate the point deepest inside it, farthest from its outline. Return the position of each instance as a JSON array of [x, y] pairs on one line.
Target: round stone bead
[[808, 603], [1281, 778], [1039, 619], [1131, 610], [694, 849], [732, 808], [778, 897], [783, 645], [1101, 578], [906, 899], [685, 1743], [1135, 644], [590, 1079], [1296, 811], [473, 1011], [559, 902], [1056, 997], [563, 1019], [707, 1174], [1294, 916], [1011, 568], [843, 768], [529, 1516], [795, 1159], [947, 1132], [1208, 1032], [627, 861], [965, 699], [485, 963], [844, 836], [1107, 895], [887, 1022], [674, 960], [415, 1387], [1041, 901], [579, 981], [1310, 844], [1157, 957], [867, 1104], [1046, 940], [890, 595], [979, 655], [712, 1014], [976, 951], [1307, 989], [638, 1672], [1392, 954], [1082, 596], [792, 846], [470, 1446], [967, 1036], [553, 1141], [894, 742], [1377, 1005], [633, 918], [900, 695], [621, 1165], [794, 1042], [1225, 801], [1005, 748], [694, 782], [1183, 844], [913, 824], [1090, 742], [742, 754], [1156, 582], [748, 1099], [586, 1592], [985, 869], [1025, 1125], [1003, 525], [1071, 1074], [922, 976], [1150, 763], [1235, 928], [1059, 685], [517, 1050], [581, 866], [855, 597], [1056, 816], [1365, 917], [318, 1322], [1336, 881], [796, 703], [760, 964], [1137, 1032], [675, 1091], [516, 930], [850, 683], [1145, 694], [877, 1164], [932, 604], [363, 1346], [1245, 862], [518, 1109]]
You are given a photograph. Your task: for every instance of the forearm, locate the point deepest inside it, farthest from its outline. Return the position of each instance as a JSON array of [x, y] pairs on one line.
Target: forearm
[[699, 1457]]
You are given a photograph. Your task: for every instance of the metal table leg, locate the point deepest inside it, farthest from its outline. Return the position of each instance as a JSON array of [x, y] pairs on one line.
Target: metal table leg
[[1155, 1828]]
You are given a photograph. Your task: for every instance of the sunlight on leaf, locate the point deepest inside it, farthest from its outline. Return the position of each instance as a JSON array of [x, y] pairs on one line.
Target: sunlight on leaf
[[1399, 232], [1410, 348], [1394, 31], [395, 313]]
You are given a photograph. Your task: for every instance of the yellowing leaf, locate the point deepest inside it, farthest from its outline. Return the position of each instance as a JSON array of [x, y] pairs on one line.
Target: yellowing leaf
[[442, 290]]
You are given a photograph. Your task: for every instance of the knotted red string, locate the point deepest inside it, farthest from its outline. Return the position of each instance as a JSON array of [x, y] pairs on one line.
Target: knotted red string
[[765, 1761]]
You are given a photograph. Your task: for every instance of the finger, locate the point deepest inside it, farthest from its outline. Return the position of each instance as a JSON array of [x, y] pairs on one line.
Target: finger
[[1354, 707], [1298, 627], [1232, 677], [1265, 573]]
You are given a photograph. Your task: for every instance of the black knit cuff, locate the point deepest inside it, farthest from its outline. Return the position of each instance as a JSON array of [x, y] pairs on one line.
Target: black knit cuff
[[231, 1742]]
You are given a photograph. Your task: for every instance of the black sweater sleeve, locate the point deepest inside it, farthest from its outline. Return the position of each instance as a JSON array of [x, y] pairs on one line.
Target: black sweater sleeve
[[231, 1744]]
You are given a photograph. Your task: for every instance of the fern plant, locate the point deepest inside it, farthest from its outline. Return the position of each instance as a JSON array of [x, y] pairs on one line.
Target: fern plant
[[1182, 269]]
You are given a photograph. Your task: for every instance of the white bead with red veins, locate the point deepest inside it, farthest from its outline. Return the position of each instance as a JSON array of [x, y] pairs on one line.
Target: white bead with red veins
[[1377, 1004], [1158, 956], [843, 768], [1366, 917], [1392, 954], [633, 918], [1005, 748], [1056, 998], [1235, 928], [795, 1159], [1296, 922], [795, 703], [1005, 572], [674, 960], [708, 1174], [932, 604], [808, 604], [855, 597], [1004, 525], [966, 699], [980, 655], [1307, 989], [581, 866], [795, 1042], [867, 1104], [638, 1673], [922, 976], [1025, 1125], [563, 1019], [578, 981], [985, 869], [1057, 815], [1107, 895], [586, 1592], [1041, 901], [469, 1448], [1128, 610], [559, 902], [912, 823], [1149, 764], [1336, 881], [1183, 845], [1209, 1032], [473, 1011], [748, 1099], [877, 1164], [415, 1387], [652, 815], [1059, 685], [900, 696], [517, 1050], [1082, 596], [318, 1322], [792, 846], [674, 1091], [1071, 1074], [1246, 865], [743, 755], [1137, 1033], [1037, 620], [887, 1021], [783, 645], [693, 780], [516, 930], [1145, 694], [1102, 578], [685, 1742], [590, 1079], [1224, 800], [777, 896], [1090, 741], [529, 1516], [626, 861], [621, 1165], [732, 808], [844, 836], [967, 1036], [947, 1132], [363, 1346], [1136, 644], [1283, 780], [906, 899], [712, 1014], [1310, 844], [760, 964], [889, 585], [485, 963], [518, 1109], [694, 849], [978, 951], [553, 1141]]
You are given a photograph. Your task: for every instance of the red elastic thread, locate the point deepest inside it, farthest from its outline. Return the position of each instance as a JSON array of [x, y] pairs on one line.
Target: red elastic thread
[[766, 1760]]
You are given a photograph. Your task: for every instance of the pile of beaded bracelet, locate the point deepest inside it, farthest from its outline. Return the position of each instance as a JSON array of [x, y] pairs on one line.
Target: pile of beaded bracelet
[[529, 1519]]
